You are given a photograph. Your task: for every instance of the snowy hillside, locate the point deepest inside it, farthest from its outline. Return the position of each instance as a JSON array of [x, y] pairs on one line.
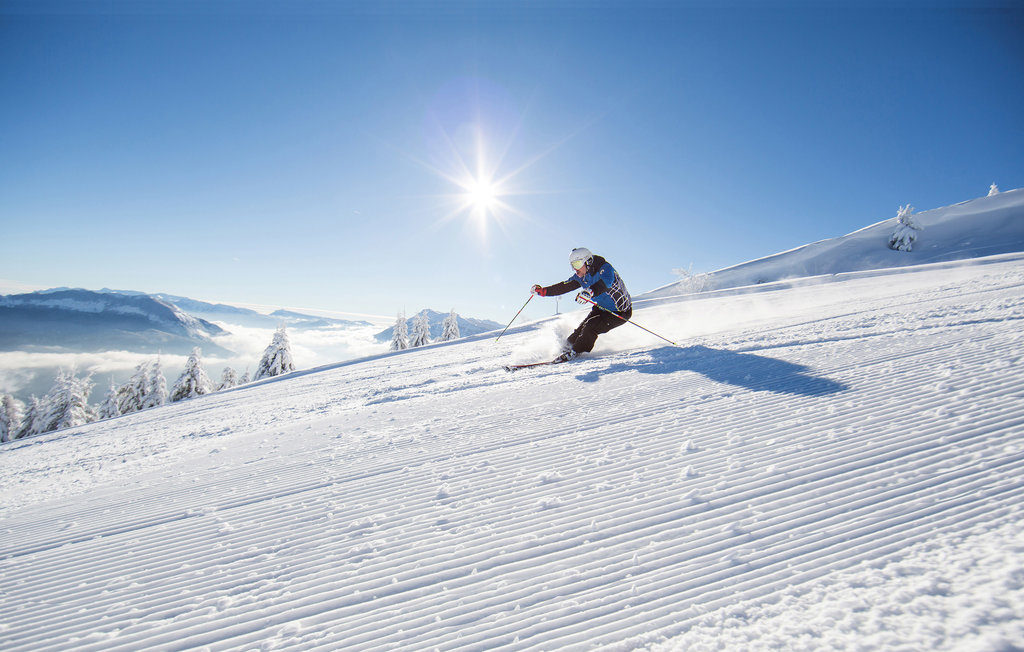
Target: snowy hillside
[[980, 227], [833, 466]]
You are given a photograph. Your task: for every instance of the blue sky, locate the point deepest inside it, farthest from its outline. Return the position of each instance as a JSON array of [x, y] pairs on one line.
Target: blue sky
[[321, 155]]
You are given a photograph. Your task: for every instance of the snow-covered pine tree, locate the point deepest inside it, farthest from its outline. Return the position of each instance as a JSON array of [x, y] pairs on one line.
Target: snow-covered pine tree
[[690, 282], [450, 327], [245, 379], [400, 337], [156, 391], [993, 190], [277, 358], [32, 421], [228, 379], [132, 395], [907, 227], [420, 330], [11, 410], [109, 408], [193, 381], [66, 404]]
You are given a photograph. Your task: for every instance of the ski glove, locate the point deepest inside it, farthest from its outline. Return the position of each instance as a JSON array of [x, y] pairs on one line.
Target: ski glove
[[585, 296], [539, 291]]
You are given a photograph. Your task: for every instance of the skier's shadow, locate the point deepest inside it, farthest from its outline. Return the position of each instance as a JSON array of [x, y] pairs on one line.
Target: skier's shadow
[[754, 372]]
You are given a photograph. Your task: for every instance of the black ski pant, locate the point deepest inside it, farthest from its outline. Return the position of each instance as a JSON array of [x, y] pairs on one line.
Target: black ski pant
[[597, 322]]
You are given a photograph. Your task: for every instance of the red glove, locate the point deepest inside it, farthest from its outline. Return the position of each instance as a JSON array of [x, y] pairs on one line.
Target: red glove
[[539, 291]]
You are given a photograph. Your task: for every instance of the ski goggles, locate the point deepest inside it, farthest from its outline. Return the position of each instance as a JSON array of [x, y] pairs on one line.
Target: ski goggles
[[578, 264]]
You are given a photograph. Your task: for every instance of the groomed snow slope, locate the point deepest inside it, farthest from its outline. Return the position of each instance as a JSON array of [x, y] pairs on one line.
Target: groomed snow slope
[[835, 466]]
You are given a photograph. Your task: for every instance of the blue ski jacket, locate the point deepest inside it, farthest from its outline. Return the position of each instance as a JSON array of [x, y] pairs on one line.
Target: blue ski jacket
[[601, 278]]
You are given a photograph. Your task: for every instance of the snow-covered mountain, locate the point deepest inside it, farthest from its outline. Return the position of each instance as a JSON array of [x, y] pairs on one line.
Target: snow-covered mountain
[[826, 465], [83, 320], [468, 326], [980, 227], [300, 320], [222, 312]]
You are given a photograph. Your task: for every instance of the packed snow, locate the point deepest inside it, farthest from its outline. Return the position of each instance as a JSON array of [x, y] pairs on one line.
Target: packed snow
[[835, 464]]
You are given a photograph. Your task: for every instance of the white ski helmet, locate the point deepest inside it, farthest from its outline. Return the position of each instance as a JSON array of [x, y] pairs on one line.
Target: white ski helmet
[[581, 255]]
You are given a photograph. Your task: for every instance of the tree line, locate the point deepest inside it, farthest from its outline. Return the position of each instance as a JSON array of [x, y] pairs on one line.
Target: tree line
[[401, 340], [66, 404]]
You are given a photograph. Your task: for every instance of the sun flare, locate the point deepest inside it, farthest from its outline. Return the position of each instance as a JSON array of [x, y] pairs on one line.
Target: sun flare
[[486, 181], [481, 195]]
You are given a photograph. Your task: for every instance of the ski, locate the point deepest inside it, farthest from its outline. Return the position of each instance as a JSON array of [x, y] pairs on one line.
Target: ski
[[515, 367]]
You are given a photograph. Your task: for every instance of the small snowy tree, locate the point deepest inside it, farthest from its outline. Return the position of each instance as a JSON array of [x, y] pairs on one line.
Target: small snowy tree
[[993, 190], [131, 396], [155, 393], [690, 282], [228, 379], [193, 380], [31, 424], [110, 408], [400, 336], [245, 379], [420, 330], [450, 327], [66, 405], [277, 358], [907, 227], [11, 410]]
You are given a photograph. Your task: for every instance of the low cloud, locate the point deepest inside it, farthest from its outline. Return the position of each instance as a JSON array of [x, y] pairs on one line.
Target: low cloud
[[23, 373], [310, 348]]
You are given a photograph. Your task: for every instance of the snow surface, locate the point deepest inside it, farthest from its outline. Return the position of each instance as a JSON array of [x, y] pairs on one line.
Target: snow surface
[[829, 465]]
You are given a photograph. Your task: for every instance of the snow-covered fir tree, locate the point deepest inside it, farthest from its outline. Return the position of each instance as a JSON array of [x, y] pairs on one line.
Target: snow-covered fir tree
[[277, 358], [690, 282], [245, 379], [450, 327], [109, 408], [420, 330], [993, 190], [131, 397], [228, 379], [907, 227], [156, 391], [11, 411], [31, 423], [193, 381], [400, 336], [66, 405]]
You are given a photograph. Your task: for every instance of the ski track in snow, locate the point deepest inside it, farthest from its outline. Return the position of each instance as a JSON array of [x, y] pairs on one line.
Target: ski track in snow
[[836, 466]]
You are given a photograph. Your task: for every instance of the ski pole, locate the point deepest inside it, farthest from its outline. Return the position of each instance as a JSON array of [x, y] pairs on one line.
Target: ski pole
[[514, 318], [629, 321]]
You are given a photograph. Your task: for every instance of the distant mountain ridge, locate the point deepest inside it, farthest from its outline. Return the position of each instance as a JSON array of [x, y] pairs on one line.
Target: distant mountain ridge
[[78, 320], [246, 316], [66, 319], [300, 320]]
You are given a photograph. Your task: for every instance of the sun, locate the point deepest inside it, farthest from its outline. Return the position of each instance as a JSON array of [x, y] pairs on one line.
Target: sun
[[481, 196], [485, 185]]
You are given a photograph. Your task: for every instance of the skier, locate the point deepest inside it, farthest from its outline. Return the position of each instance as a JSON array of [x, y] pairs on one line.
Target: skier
[[603, 288]]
